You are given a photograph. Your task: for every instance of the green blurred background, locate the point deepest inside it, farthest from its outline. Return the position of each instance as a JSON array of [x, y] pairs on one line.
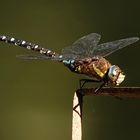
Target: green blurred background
[[36, 96]]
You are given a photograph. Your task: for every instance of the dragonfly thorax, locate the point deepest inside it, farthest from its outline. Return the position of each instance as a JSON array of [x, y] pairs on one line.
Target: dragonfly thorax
[[115, 75], [95, 67]]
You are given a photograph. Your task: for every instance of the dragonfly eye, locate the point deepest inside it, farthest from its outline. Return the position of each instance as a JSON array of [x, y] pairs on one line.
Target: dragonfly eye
[[120, 78], [115, 75], [114, 72]]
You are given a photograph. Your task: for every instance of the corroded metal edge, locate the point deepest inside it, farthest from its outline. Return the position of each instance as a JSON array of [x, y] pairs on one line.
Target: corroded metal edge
[[132, 92]]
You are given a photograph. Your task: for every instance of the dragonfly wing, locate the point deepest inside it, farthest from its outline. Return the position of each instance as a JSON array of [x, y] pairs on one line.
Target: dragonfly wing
[[39, 57], [106, 49], [83, 46], [32, 57]]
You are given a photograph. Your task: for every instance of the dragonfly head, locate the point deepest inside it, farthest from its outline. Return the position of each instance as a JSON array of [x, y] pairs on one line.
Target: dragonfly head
[[115, 75]]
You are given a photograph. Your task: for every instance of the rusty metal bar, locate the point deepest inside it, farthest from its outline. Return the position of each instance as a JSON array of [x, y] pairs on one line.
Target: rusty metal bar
[[131, 92]]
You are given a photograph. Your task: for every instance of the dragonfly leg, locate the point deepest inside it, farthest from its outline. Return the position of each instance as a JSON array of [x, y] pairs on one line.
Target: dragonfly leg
[[99, 88], [82, 82]]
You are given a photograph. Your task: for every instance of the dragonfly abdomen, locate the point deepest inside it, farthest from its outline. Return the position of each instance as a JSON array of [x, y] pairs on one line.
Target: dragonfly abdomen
[[27, 45]]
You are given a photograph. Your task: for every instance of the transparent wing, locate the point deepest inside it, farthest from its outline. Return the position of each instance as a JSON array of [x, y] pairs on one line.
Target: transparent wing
[[38, 57], [106, 49], [31, 57], [83, 47]]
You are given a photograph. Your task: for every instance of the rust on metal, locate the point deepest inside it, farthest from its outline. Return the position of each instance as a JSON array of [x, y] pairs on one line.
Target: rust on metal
[[131, 92]]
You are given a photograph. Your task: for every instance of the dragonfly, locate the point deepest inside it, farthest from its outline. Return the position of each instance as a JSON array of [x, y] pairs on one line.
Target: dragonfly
[[85, 56]]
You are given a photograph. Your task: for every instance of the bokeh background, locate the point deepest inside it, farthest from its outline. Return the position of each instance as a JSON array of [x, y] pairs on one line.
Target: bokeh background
[[36, 96]]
